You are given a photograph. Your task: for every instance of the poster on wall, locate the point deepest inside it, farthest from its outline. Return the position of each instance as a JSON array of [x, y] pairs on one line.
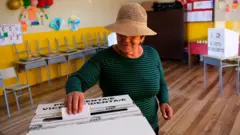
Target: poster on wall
[[10, 34], [74, 22], [57, 23], [199, 11]]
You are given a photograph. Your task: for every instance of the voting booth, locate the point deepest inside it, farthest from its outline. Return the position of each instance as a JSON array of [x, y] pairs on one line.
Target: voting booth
[[222, 42], [116, 115]]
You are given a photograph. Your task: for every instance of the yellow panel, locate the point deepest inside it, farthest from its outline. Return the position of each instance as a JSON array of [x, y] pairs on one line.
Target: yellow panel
[[233, 25], [197, 31]]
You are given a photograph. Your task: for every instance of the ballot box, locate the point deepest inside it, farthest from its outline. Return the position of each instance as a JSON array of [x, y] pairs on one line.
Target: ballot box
[[222, 43], [116, 115]]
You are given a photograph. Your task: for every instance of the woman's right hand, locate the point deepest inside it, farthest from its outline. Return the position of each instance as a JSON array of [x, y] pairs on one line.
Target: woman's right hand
[[74, 102]]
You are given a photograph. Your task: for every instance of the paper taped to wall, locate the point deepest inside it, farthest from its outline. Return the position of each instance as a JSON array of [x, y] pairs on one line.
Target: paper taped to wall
[[74, 22], [10, 34], [57, 23]]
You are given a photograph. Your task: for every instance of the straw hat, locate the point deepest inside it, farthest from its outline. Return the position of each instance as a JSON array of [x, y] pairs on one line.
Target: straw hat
[[131, 21]]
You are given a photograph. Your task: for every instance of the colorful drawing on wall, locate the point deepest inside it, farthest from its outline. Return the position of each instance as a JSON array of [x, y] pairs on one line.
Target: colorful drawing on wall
[[33, 12], [235, 5], [227, 8], [222, 4], [57, 23], [74, 22], [24, 26], [10, 34], [1, 38]]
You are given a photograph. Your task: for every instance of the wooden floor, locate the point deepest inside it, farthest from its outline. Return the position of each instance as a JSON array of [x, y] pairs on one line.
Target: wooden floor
[[197, 111]]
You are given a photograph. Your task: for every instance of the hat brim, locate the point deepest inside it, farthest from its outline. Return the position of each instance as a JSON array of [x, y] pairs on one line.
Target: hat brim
[[130, 29]]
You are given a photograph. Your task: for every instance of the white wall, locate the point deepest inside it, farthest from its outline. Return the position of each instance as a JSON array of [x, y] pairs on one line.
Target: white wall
[[97, 13], [221, 14]]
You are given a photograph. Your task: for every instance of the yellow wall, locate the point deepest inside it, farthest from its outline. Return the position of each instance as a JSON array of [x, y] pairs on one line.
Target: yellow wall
[[197, 31], [233, 25], [8, 53]]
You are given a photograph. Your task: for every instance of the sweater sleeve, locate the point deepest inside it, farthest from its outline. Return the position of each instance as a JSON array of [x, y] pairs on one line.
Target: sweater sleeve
[[163, 92], [86, 77], [162, 95]]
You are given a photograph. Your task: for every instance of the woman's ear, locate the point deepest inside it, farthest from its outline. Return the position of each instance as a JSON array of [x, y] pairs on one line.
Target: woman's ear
[[142, 38]]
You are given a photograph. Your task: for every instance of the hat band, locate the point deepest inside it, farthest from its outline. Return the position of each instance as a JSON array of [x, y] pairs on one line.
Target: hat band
[[130, 21]]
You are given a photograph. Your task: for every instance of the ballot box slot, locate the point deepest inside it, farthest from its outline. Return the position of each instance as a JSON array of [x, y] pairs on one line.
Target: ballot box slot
[[52, 119], [109, 111], [92, 114]]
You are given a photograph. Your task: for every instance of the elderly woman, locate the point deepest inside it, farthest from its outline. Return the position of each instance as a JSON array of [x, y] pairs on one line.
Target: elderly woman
[[126, 68]]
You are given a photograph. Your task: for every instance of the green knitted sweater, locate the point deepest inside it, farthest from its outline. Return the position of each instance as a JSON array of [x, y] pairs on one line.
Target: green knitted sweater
[[141, 78]]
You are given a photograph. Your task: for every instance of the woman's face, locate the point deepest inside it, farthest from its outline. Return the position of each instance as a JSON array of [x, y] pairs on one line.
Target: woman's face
[[127, 43]]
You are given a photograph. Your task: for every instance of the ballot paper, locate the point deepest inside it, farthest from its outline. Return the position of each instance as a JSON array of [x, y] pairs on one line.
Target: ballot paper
[[115, 115], [112, 39], [84, 114]]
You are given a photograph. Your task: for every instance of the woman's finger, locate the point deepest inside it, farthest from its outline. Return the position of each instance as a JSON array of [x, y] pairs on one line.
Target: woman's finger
[[65, 101], [75, 103], [164, 113], [170, 113], [81, 102], [69, 104]]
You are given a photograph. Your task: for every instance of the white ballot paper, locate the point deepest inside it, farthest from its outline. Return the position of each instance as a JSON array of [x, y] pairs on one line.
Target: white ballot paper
[[112, 39], [84, 114], [115, 115]]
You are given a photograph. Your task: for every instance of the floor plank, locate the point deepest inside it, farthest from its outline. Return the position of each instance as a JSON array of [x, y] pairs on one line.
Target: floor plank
[[227, 117], [197, 111], [235, 129]]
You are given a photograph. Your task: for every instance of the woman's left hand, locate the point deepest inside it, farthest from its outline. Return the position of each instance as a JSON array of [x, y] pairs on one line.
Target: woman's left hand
[[167, 111]]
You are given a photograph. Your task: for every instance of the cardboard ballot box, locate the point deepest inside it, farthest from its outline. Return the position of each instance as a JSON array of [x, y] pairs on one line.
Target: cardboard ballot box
[[222, 43], [116, 115]]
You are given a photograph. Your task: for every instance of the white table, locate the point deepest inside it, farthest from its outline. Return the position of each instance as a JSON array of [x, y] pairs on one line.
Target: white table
[[220, 63]]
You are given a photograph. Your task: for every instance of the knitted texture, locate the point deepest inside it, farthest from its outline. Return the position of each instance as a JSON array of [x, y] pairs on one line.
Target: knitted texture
[[132, 12], [131, 21]]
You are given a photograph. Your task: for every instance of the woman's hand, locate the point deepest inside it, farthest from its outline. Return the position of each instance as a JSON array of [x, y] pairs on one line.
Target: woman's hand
[[167, 111], [74, 102]]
